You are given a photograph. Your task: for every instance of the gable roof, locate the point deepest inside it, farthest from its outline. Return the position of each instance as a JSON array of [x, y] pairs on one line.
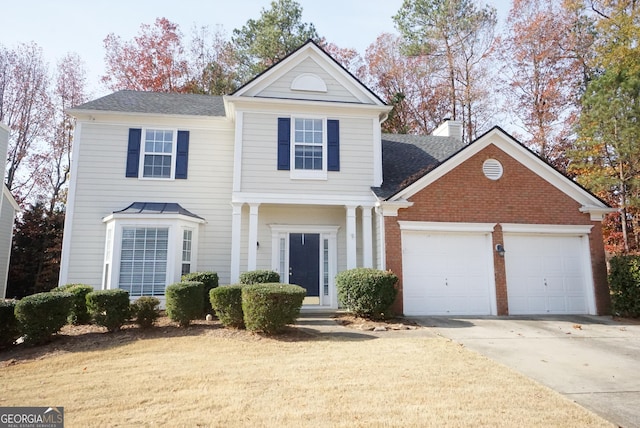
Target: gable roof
[[295, 57], [432, 170], [156, 103], [406, 158]]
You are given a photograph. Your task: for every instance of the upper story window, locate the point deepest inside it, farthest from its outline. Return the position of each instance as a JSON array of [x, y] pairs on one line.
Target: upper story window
[[308, 144], [308, 147], [157, 153]]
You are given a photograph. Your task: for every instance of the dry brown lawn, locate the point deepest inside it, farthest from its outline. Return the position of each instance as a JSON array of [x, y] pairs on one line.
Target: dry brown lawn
[[209, 376]]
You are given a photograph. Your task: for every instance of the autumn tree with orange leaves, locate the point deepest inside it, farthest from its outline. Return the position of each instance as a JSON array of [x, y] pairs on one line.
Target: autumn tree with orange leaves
[[541, 76], [153, 61]]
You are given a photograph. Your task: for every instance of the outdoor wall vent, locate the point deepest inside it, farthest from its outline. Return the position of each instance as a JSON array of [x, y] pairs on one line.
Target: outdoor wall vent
[[492, 169]]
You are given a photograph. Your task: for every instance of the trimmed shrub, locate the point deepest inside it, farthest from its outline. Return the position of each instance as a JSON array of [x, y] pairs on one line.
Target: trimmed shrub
[[185, 301], [624, 283], [268, 308], [227, 304], [9, 326], [79, 313], [109, 308], [210, 281], [42, 315], [367, 292], [259, 277], [145, 311]]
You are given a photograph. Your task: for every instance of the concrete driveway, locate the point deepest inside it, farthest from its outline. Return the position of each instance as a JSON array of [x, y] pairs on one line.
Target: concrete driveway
[[592, 360]]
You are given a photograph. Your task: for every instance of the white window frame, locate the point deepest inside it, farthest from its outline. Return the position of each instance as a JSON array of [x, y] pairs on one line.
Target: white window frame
[[144, 153], [176, 223], [308, 174], [188, 261]]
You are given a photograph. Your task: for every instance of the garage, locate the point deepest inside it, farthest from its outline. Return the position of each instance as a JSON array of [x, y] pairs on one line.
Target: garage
[[447, 272], [548, 273]]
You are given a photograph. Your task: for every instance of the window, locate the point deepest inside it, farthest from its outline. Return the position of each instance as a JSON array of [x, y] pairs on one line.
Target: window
[[187, 236], [308, 144], [143, 260], [158, 153], [315, 149]]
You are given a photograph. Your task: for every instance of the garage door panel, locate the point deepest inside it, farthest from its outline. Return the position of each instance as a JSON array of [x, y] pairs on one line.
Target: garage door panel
[[545, 274], [446, 273]]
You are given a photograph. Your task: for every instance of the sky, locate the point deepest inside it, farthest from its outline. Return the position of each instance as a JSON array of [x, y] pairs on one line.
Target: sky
[[62, 26]]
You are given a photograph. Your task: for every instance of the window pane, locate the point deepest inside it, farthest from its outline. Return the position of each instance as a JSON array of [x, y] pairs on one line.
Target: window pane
[[158, 147], [143, 265]]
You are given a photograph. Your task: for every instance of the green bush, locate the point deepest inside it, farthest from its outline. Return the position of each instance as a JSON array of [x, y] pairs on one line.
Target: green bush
[[624, 283], [259, 277], [269, 308], [227, 304], [185, 301], [109, 308], [145, 311], [210, 281], [43, 314], [9, 326], [79, 313], [367, 292]]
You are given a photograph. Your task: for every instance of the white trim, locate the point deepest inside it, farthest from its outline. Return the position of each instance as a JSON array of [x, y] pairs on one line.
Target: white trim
[[377, 153], [301, 173], [237, 152], [382, 248], [143, 152], [69, 211], [367, 236], [7, 194], [391, 208], [152, 217], [556, 229], [596, 213], [433, 226], [303, 199], [236, 234], [505, 143]]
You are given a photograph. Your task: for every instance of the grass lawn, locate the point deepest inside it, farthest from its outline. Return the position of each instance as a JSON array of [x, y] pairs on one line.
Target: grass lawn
[[209, 376]]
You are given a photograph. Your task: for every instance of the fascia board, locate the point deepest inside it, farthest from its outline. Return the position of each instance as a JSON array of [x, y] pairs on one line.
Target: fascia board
[[309, 51], [282, 104], [93, 114]]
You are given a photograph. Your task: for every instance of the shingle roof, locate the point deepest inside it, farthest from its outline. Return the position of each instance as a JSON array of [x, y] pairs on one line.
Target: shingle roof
[[158, 102], [406, 158], [156, 208]]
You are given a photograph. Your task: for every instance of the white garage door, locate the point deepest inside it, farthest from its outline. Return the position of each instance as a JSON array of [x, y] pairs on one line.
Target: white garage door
[[447, 273], [545, 274]]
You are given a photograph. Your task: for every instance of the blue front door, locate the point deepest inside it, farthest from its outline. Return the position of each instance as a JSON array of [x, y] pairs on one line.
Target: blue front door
[[304, 262]]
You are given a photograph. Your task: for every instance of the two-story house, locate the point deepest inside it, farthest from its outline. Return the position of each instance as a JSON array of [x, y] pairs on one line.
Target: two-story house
[[291, 173]]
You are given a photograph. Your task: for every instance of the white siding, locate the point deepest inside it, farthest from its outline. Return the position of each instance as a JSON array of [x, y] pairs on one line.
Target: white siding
[[259, 159], [281, 88], [101, 188], [7, 215]]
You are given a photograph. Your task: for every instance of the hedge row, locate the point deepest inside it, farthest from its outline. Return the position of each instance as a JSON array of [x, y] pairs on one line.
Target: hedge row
[[624, 283]]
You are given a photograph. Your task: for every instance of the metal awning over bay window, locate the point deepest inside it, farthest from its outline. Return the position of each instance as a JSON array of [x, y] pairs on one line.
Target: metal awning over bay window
[[149, 245]]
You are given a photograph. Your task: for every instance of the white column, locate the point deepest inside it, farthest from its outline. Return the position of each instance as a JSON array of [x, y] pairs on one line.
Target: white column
[[382, 256], [367, 231], [236, 233], [252, 248], [352, 256]]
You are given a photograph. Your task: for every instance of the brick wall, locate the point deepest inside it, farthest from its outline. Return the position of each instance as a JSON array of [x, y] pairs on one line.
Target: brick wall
[[520, 196]]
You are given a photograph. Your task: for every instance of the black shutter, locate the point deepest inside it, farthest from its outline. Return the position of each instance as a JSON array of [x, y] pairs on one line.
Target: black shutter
[[182, 154], [333, 145], [133, 152], [284, 143]]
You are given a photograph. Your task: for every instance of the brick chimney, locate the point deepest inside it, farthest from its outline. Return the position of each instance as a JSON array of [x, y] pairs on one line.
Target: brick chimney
[[449, 128]]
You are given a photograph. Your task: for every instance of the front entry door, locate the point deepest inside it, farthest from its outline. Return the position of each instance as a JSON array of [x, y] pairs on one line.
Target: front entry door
[[304, 262]]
